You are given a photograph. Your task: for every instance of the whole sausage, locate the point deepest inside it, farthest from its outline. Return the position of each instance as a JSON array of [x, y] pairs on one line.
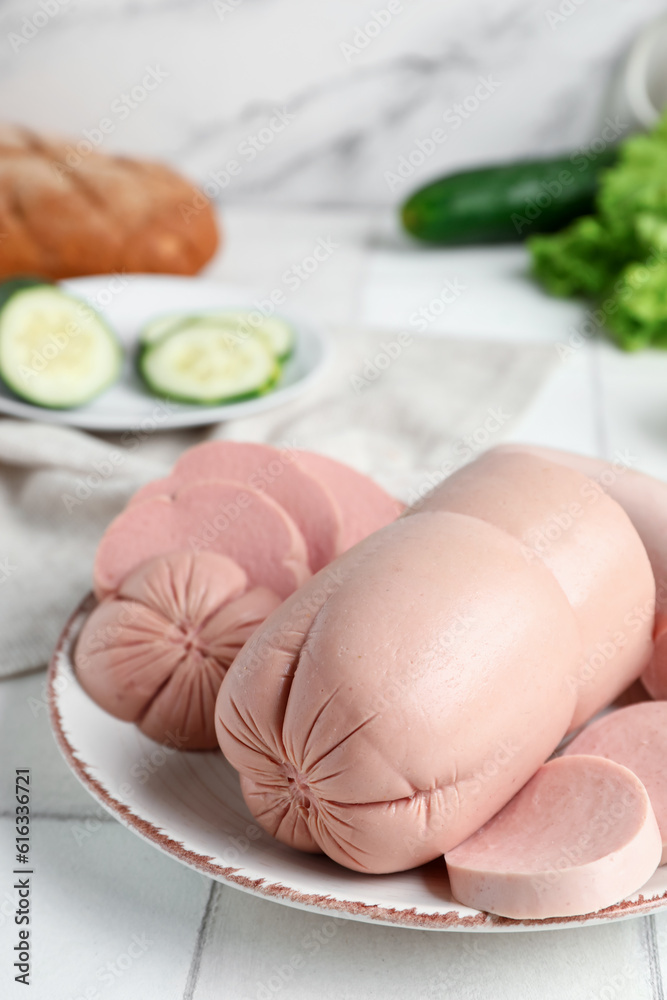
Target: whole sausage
[[405, 693]]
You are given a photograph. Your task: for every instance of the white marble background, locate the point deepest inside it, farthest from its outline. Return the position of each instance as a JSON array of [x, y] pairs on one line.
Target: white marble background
[[353, 109]]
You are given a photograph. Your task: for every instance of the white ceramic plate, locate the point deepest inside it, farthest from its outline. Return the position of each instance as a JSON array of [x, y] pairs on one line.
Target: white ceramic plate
[[127, 302], [189, 805]]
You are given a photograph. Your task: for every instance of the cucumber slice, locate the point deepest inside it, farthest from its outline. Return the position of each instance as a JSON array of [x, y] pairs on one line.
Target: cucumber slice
[[198, 363], [155, 329], [280, 336], [55, 350], [276, 332]]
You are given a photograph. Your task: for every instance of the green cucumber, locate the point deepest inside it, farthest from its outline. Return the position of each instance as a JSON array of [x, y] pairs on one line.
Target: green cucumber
[[55, 350], [276, 332], [199, 363], [505, 203], [7, 288], [280, 336], [156, 328]]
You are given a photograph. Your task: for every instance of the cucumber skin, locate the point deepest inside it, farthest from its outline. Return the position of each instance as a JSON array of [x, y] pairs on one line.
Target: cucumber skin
[[477, 206], [144, 344], [145, 348], [179, 320], [15, 286], [189, 401]]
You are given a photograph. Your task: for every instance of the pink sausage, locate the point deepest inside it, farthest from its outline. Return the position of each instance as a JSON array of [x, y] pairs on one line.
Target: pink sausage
[[156, 652], [636, 737], [385, 720], [587, 541], [645, 501], [400, 698], [364, 505], [228, 518], [275, 472], [581, 835]]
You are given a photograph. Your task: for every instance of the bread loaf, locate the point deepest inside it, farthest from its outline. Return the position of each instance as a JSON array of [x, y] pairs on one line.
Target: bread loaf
[[66, 213]]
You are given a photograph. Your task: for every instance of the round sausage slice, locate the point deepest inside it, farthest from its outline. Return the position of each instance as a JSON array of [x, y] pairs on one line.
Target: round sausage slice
[[273, 471], [635, 736], [364, 506], [228, 518], [581, 835]]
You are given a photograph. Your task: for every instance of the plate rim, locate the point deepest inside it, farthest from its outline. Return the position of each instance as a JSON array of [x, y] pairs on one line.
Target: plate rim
[[408, 917]]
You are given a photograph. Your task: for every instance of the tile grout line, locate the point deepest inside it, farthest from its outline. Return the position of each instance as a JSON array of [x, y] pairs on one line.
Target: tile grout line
[[358, 294], [24, 672], [653, 955], [598, 397], [202, 933]]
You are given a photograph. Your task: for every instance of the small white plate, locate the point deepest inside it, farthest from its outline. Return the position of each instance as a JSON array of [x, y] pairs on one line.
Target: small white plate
[[127, 302], [190, 806]]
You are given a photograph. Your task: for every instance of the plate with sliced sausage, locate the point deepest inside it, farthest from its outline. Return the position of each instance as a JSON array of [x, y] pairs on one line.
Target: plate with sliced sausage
[[289, 682]]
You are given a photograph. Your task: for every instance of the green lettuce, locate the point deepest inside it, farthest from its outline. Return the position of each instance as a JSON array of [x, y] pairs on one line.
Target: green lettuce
[[580, 260], [639, 318], [618, 256]]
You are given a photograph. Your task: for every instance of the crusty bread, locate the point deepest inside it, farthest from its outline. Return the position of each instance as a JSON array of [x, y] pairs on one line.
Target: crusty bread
[[65, 212]]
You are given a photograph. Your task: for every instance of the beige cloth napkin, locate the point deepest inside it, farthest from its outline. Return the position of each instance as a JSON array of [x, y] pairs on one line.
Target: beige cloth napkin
[[406, 411]]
